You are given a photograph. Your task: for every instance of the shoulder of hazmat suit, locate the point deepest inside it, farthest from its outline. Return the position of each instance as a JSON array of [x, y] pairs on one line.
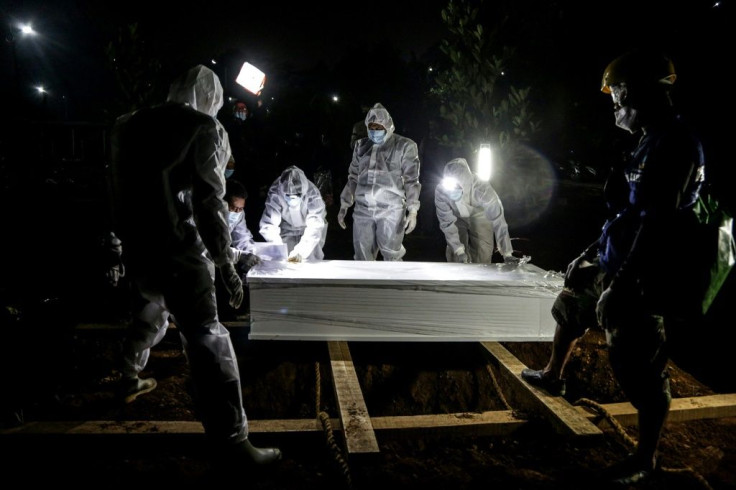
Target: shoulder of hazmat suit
[[391, 166], [169, 163]]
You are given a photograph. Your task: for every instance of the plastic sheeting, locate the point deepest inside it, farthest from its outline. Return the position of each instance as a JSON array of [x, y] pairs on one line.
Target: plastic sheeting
[[401, 301]]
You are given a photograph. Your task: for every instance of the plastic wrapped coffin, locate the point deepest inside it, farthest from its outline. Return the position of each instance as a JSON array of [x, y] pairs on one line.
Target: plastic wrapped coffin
[[401, 301]]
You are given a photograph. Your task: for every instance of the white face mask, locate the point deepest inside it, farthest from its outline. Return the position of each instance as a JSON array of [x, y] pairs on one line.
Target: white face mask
[[627, 118], [293, 201], [233, 218]]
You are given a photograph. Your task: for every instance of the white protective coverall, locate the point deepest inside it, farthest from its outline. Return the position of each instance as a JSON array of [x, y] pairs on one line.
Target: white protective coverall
[[470, 223], [383, 183], [168, 164], [301, 225], [241, 237]]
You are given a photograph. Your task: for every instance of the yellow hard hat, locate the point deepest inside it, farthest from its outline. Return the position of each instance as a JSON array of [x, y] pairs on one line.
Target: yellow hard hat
[[638, 67]]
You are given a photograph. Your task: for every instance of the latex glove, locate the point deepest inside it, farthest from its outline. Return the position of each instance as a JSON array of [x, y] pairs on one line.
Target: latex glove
[[604, 307], [114, 274], [511, 260], [463, 258], [294, 256], [411, 222], [341, 217], [572, 274], [233, 284], [114, 251], [249, 260]]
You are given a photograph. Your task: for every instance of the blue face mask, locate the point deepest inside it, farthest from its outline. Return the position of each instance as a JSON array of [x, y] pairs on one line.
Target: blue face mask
[[229, 172], [377, 135], [455, 194], [293, 201]]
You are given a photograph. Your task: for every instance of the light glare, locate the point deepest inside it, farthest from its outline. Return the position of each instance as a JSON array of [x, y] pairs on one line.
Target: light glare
[[485, 162], [449, 183], [251, 78]]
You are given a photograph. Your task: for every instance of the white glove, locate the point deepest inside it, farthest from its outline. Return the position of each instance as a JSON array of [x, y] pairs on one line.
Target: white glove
[[233, 284], [341, 217], [294, 256], [511, 260], [411, 222], [463, 258]]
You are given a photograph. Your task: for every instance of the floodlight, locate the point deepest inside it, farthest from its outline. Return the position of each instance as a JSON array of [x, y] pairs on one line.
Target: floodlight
[[251, 78]]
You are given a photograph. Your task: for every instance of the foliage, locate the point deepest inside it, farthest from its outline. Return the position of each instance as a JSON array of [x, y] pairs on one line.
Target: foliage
[[477, 101], [136, 70]]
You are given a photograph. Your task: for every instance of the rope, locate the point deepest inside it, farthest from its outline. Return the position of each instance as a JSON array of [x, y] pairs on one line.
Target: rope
[[631, 442], [324, 418], [498, 387]]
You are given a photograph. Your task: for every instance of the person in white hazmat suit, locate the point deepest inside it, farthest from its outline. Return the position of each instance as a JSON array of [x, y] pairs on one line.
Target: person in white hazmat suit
[[383, 183], [242, 241], [295, 214], [168, 165], [470, 215]]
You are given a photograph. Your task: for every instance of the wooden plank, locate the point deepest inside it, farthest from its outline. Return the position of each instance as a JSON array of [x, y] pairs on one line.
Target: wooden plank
[[681, 409], [565, 419], [358, 431], [501, 422]]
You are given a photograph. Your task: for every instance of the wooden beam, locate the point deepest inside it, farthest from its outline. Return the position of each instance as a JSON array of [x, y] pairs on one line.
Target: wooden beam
[[358, 433], [563, 417], [501, 422], [681, 410]]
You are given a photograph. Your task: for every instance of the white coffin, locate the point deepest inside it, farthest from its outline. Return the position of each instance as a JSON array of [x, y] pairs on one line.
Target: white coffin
[[401, 301]]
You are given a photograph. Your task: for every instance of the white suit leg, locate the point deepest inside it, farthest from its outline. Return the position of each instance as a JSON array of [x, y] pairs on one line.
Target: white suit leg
[[364, 238], [480, 243]]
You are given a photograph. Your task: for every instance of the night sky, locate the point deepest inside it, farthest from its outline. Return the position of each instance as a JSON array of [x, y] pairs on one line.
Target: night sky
[[564, 46], [67, 55]]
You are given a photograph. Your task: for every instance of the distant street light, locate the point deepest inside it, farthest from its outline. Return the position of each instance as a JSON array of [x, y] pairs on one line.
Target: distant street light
[[25, 30]]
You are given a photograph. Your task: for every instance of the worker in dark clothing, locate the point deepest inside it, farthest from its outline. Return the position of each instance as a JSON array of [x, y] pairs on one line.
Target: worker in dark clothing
[[625, 281]]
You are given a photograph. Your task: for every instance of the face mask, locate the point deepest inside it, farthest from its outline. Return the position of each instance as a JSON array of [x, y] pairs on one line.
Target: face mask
[[293, 201], [455, 194], [229, 172], [240, 115], [233, 218], [627, 118], [377, 135]]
